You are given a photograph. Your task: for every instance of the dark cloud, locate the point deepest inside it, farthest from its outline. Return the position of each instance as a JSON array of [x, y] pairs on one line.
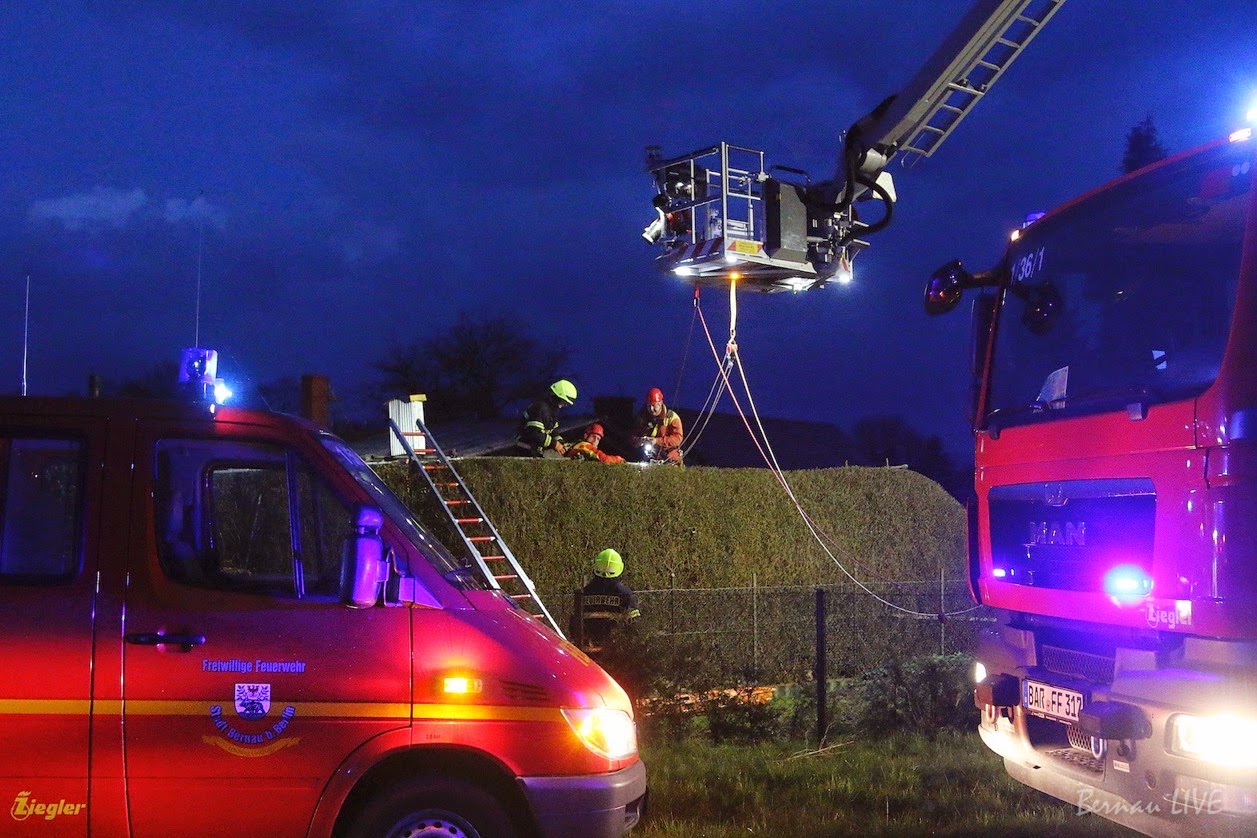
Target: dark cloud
[[344, 176]]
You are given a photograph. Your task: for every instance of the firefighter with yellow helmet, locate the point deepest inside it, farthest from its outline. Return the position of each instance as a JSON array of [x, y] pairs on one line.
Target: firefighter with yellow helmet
[[539, 425], [606, 603]]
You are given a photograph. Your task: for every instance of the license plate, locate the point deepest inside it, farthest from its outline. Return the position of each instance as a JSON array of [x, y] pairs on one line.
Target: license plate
[[1053, 702]]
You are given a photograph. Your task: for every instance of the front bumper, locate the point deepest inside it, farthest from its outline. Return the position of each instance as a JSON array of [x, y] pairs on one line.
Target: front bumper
[[1137, 780], [594, 806]]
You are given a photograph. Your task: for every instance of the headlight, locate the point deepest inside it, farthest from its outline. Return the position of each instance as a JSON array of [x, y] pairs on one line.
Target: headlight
[[608, 733], [1222, 740], [979, 672]]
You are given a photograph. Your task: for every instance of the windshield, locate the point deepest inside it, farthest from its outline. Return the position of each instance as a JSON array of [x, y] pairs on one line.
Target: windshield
[[460, 574], [1125, 298]]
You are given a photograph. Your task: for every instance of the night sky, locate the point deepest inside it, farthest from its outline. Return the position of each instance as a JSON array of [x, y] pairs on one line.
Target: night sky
[[356, 174]]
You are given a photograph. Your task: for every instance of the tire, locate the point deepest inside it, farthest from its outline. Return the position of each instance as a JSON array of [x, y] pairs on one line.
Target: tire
[[428, 807]]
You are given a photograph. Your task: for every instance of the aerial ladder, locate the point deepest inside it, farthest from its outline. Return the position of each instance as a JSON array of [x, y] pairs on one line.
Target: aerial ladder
[[722, 218], [481, 542]]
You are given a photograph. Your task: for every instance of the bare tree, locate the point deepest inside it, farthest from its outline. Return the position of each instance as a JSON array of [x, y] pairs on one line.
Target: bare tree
[[475, 369], [160, 381]]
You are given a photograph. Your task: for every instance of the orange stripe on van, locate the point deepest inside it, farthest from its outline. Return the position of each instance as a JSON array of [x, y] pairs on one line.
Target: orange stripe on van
[[307, 710]]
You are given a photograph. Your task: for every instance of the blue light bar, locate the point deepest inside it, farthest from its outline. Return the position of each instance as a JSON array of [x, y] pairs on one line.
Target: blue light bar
[[1127, 581]]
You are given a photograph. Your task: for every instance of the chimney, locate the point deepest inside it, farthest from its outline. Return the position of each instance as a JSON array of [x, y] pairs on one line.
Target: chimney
[[316, 400]]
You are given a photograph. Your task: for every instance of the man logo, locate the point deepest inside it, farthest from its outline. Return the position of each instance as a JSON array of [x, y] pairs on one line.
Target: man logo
[[1058, 533], [253, 701]]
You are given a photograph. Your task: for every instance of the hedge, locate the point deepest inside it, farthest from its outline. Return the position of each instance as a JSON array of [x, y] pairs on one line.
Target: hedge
[[710, 527]]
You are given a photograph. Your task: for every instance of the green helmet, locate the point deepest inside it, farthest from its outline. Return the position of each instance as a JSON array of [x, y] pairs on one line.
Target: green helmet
[[565, 390], [608, 564]]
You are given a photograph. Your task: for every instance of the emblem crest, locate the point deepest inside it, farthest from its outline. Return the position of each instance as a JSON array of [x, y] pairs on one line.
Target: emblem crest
[[253, 701]]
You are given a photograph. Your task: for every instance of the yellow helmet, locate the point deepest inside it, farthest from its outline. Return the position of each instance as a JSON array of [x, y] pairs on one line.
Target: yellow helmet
[[565, 390], [608, 564]]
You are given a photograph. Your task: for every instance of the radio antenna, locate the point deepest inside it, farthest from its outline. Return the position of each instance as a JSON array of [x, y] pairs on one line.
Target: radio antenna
[[26, 330], [200, 247]]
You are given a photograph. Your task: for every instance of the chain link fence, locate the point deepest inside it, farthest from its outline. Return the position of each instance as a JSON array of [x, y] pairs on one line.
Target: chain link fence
[[706, 638]]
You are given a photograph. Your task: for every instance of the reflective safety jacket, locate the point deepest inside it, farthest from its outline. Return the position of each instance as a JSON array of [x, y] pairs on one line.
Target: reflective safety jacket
[[606, 605], [538, 424], [664, 430], [588, 451]]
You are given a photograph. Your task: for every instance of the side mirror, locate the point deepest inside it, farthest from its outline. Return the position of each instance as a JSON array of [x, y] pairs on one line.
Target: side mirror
[[364, 571], [947, 283]]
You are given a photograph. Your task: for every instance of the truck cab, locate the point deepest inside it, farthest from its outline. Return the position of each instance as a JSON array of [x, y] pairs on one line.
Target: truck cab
[[219, 621], [1115, 497]]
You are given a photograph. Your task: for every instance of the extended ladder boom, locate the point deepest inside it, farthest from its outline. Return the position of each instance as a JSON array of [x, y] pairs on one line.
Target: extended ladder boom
[[480, 538], [721, 217], [964, 67]]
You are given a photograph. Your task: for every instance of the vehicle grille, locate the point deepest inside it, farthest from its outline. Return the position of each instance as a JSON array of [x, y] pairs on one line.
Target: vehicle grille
[[1097, 669], [525, 693], [1078, 759], [1068, 535]]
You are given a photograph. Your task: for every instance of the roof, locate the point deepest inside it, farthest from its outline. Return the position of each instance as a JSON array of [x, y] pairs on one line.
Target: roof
[[725, 442], [481, 438]]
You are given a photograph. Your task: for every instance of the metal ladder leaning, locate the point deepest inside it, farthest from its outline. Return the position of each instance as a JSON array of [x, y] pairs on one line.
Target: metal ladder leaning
[[481, 539]]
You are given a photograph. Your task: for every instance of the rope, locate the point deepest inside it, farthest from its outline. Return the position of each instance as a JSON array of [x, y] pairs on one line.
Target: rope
[[733, 358], [685, 353]]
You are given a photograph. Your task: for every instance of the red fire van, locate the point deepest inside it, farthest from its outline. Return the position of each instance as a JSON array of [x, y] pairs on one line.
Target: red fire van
[[220, 622]]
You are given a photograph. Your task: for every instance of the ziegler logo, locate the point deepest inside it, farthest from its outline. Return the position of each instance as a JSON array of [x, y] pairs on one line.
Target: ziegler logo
[[24, 806], [1063, 533]]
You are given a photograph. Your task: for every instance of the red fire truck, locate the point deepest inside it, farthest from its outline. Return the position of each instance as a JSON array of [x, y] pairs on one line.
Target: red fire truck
[[1114, 516], [220, 622]]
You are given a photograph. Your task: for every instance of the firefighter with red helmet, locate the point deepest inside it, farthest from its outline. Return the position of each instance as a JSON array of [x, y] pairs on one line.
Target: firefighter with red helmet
[[657, 430], [587, 448]]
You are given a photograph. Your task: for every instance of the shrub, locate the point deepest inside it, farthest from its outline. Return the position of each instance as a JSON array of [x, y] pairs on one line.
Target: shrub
[[737, 717], [920, 695]]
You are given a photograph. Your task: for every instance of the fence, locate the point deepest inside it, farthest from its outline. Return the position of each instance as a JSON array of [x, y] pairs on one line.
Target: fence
[[703, 638]]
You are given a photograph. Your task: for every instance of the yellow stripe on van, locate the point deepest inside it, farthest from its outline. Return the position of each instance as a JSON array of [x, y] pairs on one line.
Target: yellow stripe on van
[[487, 712], [44, 706]]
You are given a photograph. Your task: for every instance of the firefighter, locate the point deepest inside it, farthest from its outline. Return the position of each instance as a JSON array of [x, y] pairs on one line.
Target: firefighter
[[587, 448], [657, 430], [607, 605], [541, 420]]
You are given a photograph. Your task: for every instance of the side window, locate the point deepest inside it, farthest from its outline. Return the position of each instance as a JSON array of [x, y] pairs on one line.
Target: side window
[[41, 490], [247, 517], [250, 532]]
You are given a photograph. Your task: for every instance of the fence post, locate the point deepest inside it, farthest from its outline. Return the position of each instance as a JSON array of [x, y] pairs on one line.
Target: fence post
[[821, 671], [755, 623], [578, 610], [672, 603]]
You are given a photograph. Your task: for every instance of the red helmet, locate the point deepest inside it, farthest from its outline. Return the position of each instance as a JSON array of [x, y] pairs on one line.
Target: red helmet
[[654, 396], [595, 428]]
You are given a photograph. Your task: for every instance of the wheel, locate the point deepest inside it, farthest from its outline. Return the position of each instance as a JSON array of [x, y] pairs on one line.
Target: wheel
[[428, 807]]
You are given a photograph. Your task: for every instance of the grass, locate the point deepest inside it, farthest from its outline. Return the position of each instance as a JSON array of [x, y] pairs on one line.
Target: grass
[[902, 785]]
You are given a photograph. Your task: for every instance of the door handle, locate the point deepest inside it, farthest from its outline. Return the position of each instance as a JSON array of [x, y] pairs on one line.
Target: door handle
[[155, 638]]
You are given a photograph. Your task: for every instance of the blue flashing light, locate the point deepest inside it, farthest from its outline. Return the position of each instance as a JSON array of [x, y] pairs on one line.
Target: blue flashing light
[[1126, 581], [198, 376], [221, 391]]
